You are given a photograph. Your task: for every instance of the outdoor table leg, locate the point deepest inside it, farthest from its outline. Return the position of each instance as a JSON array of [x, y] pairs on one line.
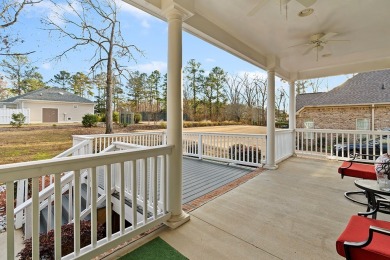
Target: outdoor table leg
[[371, 205]]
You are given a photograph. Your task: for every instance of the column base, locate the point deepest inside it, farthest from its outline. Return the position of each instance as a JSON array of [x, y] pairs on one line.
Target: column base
[[270, 167], [177, 220]]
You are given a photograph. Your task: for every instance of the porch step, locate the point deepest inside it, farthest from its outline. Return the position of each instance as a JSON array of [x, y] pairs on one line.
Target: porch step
[[129, 203], [65, 210]]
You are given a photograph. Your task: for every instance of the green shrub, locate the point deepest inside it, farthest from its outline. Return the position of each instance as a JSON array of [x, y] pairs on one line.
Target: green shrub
[[46, 241], [18, 120], [89, 120], [137, 118], [102, 117], [115, 117], [241, 152], [281, 124], [163, 124]]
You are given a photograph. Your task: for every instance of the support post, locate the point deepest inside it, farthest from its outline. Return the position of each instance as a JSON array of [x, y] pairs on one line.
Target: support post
[[292, 114], [270, 160], [175, 117]]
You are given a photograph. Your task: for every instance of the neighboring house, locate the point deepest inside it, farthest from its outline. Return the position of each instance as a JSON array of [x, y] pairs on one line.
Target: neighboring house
[[361, 103], [52, 105]]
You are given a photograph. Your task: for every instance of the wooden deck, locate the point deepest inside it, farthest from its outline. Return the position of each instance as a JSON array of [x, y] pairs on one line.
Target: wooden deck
[[201, 177]]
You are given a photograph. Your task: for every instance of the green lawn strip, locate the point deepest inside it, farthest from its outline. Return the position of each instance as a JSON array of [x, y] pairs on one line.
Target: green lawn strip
[[155, 249]]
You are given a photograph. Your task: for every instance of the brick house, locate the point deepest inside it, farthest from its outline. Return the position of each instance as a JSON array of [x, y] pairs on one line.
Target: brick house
[[361, 103]]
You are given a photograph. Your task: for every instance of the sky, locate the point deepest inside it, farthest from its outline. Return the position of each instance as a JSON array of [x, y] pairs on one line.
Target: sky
[[149, 34]]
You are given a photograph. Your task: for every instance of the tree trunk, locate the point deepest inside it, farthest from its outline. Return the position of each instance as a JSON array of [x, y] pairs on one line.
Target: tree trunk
[[109, 92]]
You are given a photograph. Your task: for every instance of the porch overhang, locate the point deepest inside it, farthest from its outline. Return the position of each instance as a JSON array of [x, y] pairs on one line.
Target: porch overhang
[[264, 37]]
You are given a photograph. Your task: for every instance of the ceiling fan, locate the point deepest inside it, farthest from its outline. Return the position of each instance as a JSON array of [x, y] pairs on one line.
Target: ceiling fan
[[261, 3], [318, 41]]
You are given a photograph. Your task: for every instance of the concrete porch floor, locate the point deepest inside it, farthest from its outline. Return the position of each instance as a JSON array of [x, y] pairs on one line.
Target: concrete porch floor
[[294, 212]]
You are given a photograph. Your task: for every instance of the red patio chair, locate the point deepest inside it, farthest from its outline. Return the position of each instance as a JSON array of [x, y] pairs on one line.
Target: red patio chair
[[365, 238], [358, 169]]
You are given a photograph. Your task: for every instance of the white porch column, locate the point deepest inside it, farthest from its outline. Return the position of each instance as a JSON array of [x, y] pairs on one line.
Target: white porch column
[[270, 162], [175, 117], [292, 112]]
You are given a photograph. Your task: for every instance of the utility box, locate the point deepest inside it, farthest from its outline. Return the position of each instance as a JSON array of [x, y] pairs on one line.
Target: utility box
[[127, 118]]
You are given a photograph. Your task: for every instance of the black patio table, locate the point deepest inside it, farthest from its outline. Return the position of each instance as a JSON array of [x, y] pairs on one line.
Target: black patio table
[[372, 190]]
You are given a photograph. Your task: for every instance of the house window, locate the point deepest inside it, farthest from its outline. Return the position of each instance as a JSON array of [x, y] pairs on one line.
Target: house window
[[362, 124], [309, 124]]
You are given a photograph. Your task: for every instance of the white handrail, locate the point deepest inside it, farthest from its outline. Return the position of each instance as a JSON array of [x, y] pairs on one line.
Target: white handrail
[[23, 202], [153, 213]]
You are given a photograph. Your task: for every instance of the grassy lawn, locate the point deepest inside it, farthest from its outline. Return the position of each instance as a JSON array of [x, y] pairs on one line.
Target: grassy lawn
[[38, 142]]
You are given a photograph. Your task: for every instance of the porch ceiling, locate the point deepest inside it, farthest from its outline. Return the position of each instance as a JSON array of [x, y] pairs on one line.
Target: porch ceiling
[[264, 37]]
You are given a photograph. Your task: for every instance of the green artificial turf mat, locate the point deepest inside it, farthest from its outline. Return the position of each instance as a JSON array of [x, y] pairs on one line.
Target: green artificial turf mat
[[155, 249]]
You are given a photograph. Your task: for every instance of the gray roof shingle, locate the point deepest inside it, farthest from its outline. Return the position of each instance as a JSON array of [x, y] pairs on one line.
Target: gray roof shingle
[[50, 94], [364, 88]]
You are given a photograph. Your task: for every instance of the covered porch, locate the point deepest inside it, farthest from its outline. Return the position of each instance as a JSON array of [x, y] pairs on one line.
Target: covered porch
[[295, 212]]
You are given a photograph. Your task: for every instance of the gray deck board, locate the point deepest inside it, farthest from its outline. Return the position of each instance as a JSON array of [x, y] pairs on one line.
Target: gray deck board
[[202, 177], [199, 177]]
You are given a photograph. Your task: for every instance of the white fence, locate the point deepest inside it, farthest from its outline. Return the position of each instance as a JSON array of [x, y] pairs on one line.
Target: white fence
[[6, 115]]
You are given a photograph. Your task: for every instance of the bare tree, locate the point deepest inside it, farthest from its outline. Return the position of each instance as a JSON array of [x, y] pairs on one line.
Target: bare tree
[[9, 14], [233, 94], [104, 35], [303, 85], [261, 97], [315, 84], [248, 95], [280, 102]]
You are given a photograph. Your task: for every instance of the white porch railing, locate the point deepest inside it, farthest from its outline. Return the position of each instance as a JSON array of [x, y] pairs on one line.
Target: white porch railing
[[102, 141], [131, 181], [341, 144], [245, 149], [81, 148], [283, 144]]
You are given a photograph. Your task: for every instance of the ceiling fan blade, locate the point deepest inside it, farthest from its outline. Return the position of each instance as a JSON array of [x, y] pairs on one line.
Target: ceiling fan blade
[[309, 50], [307, 3], [301, 44], [257, 7], [338, 41], [327, 36]]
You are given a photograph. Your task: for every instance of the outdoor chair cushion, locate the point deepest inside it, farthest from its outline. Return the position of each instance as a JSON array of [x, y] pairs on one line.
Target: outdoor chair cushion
[[357, 231], [357, 170]]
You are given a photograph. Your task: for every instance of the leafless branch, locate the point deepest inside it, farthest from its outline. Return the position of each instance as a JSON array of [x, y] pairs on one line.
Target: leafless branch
[[10, 11]]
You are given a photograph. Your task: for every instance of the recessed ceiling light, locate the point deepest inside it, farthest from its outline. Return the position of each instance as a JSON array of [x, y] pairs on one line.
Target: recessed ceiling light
[[326, 55], [306, 12]]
